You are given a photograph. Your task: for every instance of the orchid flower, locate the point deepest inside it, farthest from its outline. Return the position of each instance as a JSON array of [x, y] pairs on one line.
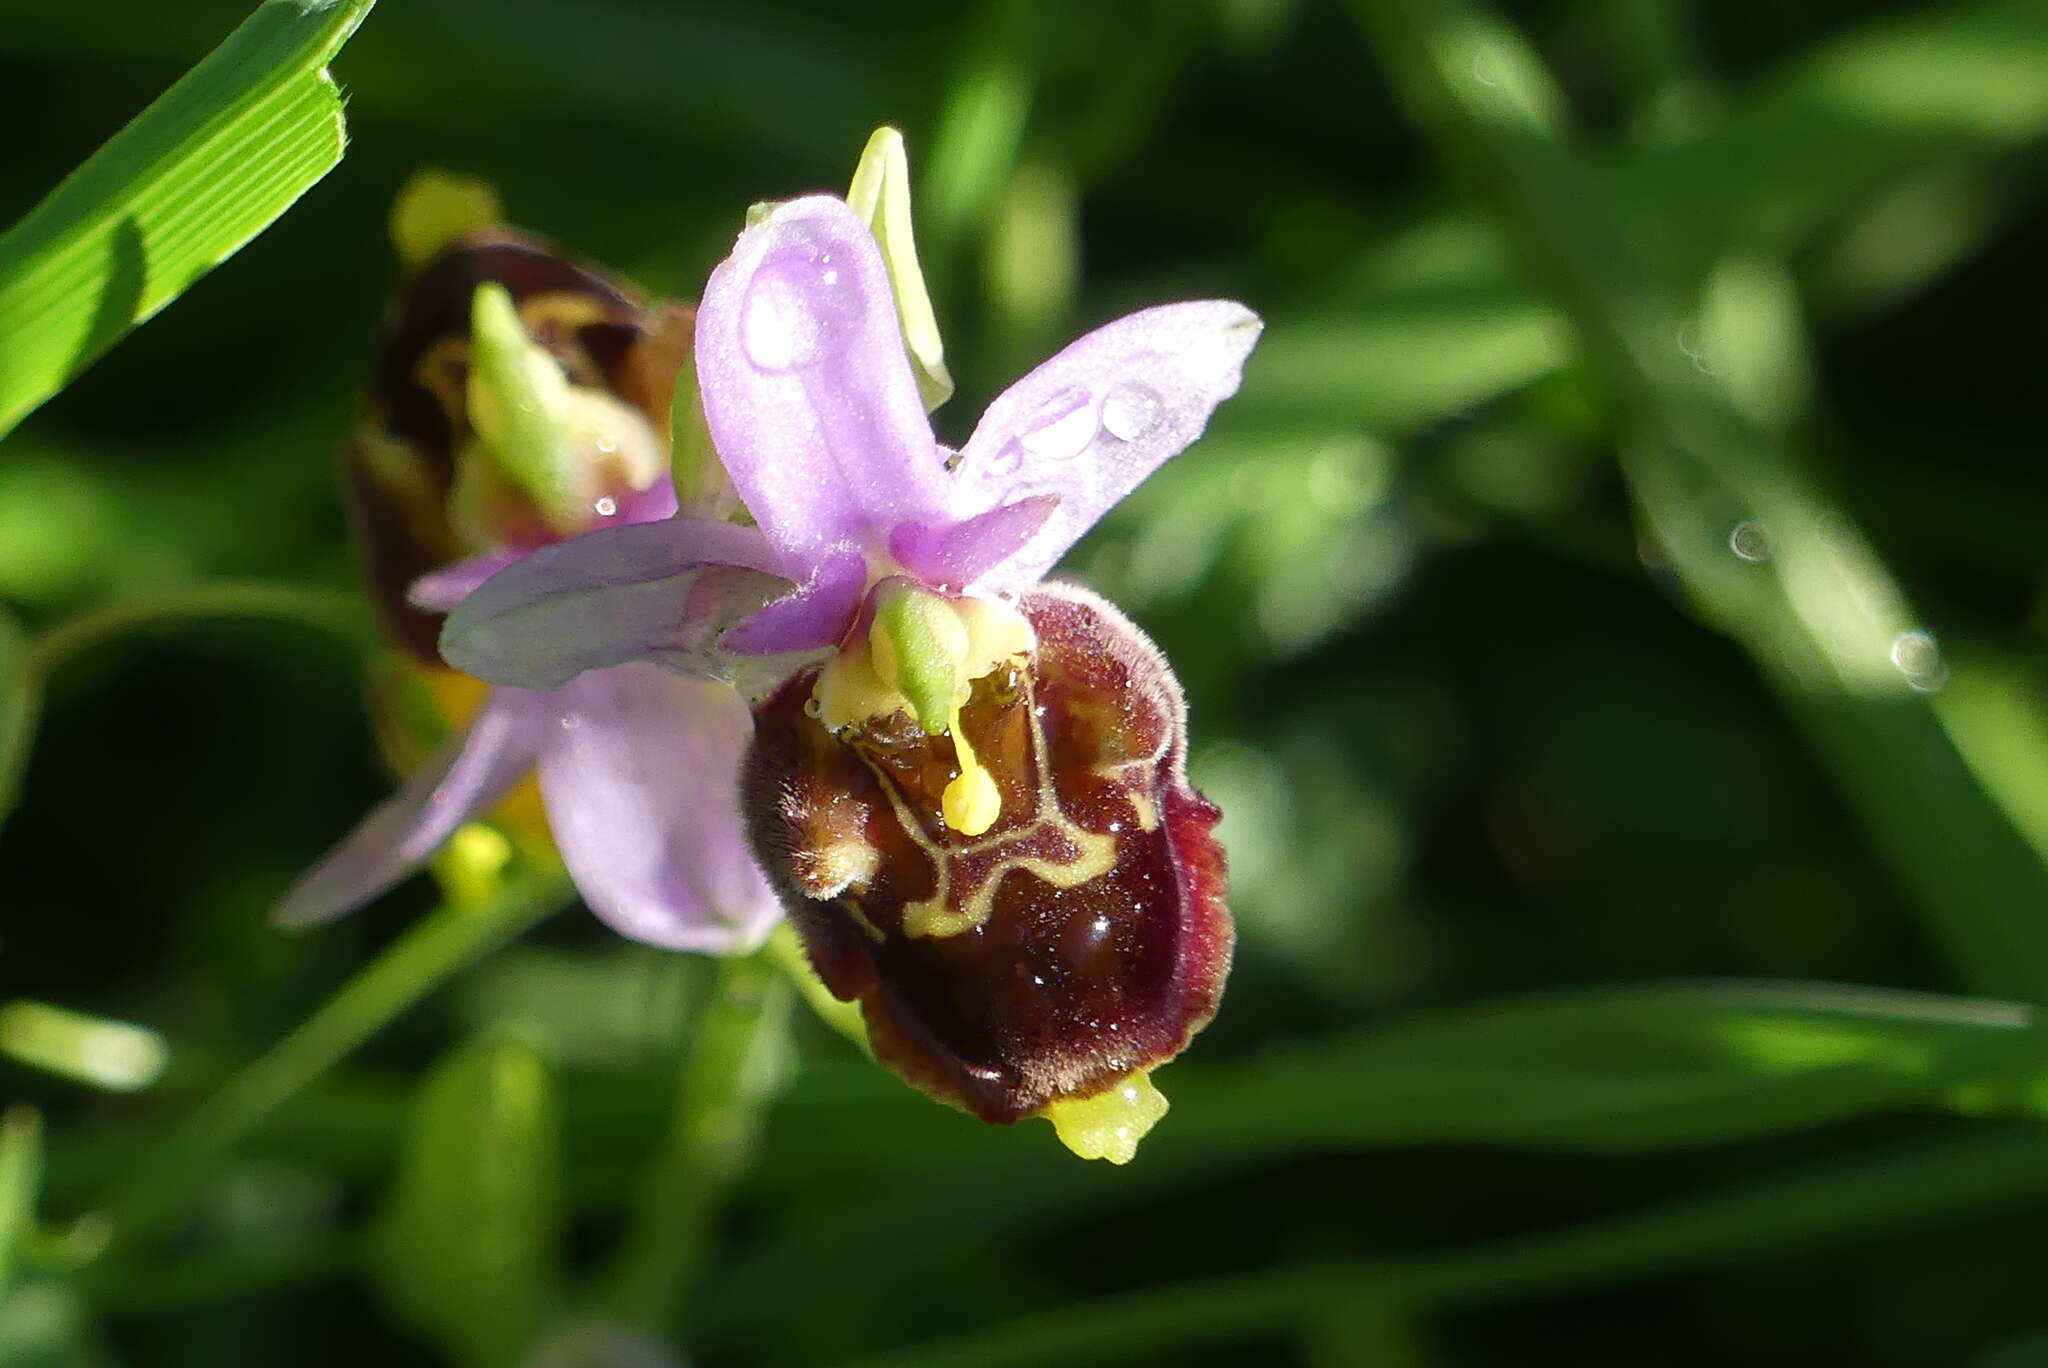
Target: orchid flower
[[968, 787], [521, 399]]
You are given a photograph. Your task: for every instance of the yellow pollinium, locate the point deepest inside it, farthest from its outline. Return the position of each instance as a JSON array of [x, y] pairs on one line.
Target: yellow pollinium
[[971, 803], [1110, 1124], [921, 657]]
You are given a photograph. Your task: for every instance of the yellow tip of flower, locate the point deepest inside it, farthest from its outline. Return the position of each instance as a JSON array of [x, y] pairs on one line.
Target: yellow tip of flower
[[434, 208], [1110, 1124]]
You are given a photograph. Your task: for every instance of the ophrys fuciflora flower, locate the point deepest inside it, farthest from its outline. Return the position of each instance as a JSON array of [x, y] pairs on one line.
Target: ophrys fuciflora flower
[[968, 787]]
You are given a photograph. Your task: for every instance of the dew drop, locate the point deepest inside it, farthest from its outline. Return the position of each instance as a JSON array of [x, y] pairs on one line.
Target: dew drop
[[606, 506], [799, 311], [1917, 656], [1693, 343], [1750, 541], [1132, 411], [1063, 426]]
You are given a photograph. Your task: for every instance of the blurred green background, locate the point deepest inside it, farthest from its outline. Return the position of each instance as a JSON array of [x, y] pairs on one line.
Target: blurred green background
[[1622, 567]]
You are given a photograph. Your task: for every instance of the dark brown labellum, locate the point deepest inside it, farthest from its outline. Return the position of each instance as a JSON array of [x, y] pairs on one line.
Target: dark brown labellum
[[401, 463], [1080, 938]]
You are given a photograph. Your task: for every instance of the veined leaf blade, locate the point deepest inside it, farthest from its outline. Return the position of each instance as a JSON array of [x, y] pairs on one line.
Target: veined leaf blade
[[212, 163]]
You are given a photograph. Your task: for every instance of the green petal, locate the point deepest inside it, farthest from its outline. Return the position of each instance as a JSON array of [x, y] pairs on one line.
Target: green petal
[[518, 399], [880, 194]]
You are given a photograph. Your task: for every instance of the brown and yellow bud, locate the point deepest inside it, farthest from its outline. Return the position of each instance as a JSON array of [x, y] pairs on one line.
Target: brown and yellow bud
[[420, 501], [1070, 939]]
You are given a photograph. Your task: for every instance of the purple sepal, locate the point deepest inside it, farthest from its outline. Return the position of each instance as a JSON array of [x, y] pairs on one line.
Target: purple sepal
[[647, 590], [439, 591], [956, 555], [469, 774], [814, 618], [1090, 424], [639, 771], [807, 390]]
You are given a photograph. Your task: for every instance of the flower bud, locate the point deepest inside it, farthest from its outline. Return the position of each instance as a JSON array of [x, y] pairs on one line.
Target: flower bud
[[427, 485], [1076, 939]]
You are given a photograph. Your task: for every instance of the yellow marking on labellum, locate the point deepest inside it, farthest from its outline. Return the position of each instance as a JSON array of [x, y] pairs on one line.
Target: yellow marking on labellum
[[554, 318], [443, 371], [1110, 1124], [1146, 810], [932, 917], [921, 658], [860, 919], [1094, 856]]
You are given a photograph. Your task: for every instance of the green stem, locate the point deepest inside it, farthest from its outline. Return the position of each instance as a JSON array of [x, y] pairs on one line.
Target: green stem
[[25, 669], [332, 610], [733, 1068], [1810, 1211], [436, 947]]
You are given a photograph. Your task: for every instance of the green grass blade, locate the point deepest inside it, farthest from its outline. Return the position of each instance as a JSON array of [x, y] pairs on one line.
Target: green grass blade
[[1811, 1208], [467, 1248], [200, 172], [21, 1164], [1433, 318], [1628, 1068], [1820, 616], [19, 695], [736, 1064], [433, 949], [1635, 1068]]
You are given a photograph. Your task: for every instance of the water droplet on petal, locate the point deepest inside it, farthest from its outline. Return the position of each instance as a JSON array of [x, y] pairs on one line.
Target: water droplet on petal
[[1132, 411], [606, 506], [799, 311], [1063, 427]]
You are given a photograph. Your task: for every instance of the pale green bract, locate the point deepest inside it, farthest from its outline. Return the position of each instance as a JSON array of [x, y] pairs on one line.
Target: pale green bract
[[880, 194]]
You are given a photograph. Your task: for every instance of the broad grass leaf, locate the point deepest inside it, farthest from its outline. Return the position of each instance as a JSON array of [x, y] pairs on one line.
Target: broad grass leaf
[[204, 169], [467, 1248]]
